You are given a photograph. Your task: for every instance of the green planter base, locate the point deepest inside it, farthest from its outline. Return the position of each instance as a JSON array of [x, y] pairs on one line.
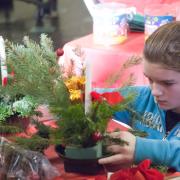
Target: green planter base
[[82, 165], [84, 153]]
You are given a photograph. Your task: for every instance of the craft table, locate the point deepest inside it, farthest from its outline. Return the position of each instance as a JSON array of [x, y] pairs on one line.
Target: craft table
[[106, 61]]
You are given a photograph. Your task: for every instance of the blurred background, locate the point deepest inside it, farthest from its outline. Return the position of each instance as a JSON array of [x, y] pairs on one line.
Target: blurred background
[[62, 20]]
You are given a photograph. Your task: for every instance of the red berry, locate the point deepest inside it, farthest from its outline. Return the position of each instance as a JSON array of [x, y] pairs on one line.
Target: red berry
[[97, 136], [59, 52], [4, 81]]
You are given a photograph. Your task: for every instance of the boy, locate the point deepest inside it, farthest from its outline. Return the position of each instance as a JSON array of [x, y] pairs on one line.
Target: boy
[[159, 104]]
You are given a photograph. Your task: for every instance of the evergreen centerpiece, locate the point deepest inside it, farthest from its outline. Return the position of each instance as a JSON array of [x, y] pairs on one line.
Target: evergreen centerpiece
[[38, 74], [81, 129]]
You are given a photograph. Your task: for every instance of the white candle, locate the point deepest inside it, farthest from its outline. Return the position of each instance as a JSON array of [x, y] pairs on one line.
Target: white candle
[[88, 85], [90, 5], [4, 73]]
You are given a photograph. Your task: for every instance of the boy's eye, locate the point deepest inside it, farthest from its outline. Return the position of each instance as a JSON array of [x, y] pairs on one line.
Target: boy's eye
[[163, 83], [168, 83]]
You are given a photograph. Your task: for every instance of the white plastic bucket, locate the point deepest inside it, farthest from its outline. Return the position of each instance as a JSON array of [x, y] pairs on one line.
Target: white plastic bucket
[[110, 23]]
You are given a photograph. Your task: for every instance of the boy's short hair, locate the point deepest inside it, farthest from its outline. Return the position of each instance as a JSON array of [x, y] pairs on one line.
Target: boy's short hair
[[163, 46]]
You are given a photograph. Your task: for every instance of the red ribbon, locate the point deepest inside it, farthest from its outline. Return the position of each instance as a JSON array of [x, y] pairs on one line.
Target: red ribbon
[[141, 172]]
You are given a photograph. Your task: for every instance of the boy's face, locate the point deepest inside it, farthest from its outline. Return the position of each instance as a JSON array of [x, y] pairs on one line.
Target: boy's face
[[165, 85]]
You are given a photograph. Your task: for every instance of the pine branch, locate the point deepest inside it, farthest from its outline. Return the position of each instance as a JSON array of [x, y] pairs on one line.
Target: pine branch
[[35, 143], [130, 62], [138, 133], [130, 81], [9, 129], [110, 140], [36, 72]]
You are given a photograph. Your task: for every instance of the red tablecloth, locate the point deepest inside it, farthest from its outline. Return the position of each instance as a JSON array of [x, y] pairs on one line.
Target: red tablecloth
[[107, 60]]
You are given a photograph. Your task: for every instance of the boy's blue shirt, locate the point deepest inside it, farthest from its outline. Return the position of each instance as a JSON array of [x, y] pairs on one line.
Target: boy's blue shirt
[[160, 147]]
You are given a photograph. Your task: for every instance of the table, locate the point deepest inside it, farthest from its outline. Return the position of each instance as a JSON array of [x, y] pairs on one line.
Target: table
[[106, 61]]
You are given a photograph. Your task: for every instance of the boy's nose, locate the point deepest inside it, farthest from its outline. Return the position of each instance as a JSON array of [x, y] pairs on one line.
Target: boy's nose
[[156, 90]]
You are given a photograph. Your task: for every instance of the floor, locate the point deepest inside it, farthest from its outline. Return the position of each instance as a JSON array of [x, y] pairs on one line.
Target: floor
[[68, 20]]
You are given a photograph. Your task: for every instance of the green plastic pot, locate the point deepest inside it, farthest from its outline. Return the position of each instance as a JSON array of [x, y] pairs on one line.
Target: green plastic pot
[[93, 152]]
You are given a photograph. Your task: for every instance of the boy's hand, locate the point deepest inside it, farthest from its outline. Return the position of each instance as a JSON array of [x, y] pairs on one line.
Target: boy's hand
[[123, 155]]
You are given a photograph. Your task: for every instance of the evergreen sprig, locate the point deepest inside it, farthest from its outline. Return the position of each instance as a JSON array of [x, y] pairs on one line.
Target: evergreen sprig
[[9, 129], [36, 71], [35, 143]]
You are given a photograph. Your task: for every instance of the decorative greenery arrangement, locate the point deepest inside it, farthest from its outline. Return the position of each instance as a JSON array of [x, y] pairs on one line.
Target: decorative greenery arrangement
[[37, 74], [13, 108], [5, 111], [25, 107]]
